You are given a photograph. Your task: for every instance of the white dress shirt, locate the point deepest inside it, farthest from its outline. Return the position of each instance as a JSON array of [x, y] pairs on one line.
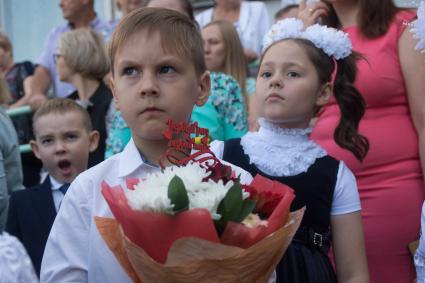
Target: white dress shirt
[[75, 251], [253, 23], [56, 193]]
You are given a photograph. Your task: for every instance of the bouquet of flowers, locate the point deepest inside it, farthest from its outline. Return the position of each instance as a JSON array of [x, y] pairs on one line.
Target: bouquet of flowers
[[195, 221]]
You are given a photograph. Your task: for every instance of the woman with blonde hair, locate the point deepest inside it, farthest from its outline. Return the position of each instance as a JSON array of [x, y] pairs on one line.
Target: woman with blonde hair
[[250, 18], [224, 53], [82, 61]]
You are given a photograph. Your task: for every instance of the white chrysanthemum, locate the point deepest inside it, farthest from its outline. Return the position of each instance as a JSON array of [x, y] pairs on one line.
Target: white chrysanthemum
[[151, 194], [333, 42], [287, 28], [418, 29]]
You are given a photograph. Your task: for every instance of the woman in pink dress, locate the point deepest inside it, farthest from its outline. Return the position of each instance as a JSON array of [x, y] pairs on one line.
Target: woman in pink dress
[[390, 179]]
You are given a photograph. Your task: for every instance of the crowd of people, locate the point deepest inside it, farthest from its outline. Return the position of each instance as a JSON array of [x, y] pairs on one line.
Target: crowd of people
[[328, 99]]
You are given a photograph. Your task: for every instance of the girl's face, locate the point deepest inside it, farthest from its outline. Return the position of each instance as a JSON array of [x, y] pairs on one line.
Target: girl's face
[[288, 87], [214, 48]]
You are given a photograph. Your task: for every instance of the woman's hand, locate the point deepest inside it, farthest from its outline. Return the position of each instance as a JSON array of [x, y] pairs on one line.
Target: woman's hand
[[310, 13]]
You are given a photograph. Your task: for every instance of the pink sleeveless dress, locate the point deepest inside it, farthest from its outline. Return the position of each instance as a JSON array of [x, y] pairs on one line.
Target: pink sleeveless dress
[[390, 178]]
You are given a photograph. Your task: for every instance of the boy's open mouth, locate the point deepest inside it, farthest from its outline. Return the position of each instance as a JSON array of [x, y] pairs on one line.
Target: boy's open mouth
[[65, 166]]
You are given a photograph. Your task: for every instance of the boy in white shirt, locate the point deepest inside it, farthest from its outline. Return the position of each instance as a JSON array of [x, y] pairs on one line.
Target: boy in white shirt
[[158, 73]]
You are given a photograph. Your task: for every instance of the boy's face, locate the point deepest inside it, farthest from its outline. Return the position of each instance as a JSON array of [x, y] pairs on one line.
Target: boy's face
[[63, 144], [151, 86]]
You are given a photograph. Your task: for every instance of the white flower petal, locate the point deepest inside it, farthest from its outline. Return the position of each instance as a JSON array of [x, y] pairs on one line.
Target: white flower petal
[[151, 194]]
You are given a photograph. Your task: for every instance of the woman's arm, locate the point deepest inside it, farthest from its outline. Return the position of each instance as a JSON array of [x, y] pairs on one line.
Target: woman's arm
[[349, 248], [413, 68]]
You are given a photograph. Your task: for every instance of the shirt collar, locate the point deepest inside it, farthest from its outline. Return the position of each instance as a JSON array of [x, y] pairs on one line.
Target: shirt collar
[[55, 185], [131, 159]]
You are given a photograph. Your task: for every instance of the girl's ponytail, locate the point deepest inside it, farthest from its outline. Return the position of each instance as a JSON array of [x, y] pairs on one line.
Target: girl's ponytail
[[348, 98], [352, 107]]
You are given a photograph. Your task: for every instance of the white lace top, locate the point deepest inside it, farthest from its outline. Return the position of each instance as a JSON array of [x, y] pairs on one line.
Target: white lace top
[[15, 265], [289, 152]]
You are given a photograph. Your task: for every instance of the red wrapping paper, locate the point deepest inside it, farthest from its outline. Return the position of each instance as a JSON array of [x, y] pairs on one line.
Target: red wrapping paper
[[155, 233]]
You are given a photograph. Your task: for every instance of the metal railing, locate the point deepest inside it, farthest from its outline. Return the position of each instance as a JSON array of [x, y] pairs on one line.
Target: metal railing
[[23, 148]]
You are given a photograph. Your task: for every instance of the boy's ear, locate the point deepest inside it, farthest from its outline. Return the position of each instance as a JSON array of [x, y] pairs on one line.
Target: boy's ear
[[114, 92], [94, 140], [34, 147], [204, 86], [324, 95]]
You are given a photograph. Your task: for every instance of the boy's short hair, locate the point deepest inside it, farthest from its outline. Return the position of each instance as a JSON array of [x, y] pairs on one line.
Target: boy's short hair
[[178, 34], [61, 106], [85, 53]]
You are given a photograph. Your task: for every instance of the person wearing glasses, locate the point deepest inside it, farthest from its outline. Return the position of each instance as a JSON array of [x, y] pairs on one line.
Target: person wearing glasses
[[81, 60], [78, 14]]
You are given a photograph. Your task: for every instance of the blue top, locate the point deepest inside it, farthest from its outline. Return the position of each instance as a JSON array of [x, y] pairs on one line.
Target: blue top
[[224, 113]]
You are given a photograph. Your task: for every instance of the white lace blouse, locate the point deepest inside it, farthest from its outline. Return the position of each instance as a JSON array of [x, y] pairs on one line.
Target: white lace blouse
[[289, 152], [15, 265]]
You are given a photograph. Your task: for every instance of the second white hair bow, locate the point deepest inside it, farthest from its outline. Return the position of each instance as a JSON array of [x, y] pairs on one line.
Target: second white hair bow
[[333, 42]]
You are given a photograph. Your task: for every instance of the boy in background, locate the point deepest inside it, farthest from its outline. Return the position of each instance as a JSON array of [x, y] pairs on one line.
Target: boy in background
[[63, 141]]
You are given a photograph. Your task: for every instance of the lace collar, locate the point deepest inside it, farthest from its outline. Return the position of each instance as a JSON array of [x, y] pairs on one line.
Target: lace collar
[[281, 152]]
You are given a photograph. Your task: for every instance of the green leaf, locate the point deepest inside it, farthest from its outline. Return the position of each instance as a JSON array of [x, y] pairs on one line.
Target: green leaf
[[177, 194], [233, 203], [247, 207], [230, 207]]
